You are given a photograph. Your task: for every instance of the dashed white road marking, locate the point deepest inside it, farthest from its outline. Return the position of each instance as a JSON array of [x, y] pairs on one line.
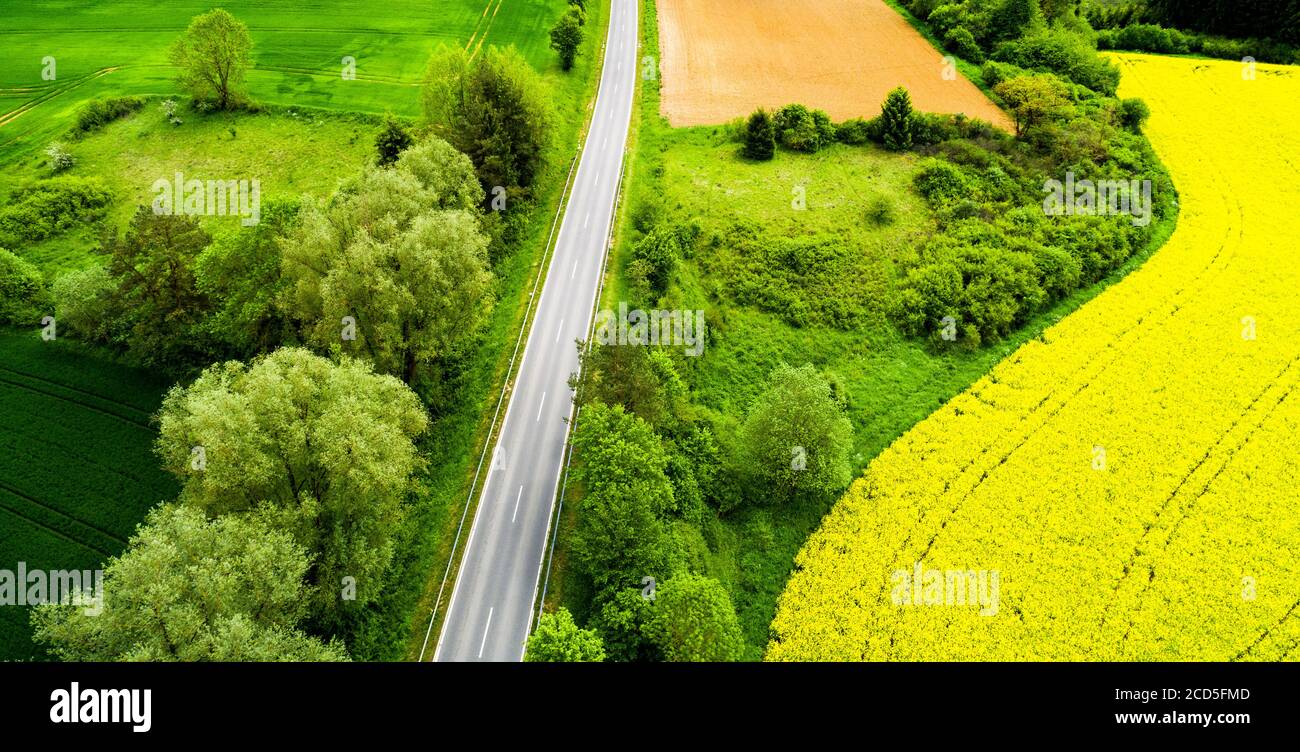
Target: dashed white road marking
[[559, 329], [540, 406], [518, 496], [485, 631]]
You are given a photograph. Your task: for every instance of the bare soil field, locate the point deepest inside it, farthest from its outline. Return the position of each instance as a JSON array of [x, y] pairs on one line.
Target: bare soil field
[[723, 58]]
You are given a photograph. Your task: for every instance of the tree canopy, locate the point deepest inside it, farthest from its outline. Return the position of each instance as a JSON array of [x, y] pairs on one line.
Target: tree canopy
[[323, 450], [193, 589]]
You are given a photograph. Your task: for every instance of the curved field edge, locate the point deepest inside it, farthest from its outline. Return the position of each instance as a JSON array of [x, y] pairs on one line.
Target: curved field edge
[[1127, 475]]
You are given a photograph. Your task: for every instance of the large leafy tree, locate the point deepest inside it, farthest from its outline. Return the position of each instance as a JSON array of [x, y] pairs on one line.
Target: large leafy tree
[[1034, 99], [323, 450], [557, 639], [193, 589], [240, 275], [493, 108], [642, 380], [796, 438], [621, 464], [156, 297], [693, 620], [392, 267], [213, 56]]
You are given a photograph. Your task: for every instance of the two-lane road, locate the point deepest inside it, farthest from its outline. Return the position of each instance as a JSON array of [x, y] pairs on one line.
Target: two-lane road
[[492, 603]]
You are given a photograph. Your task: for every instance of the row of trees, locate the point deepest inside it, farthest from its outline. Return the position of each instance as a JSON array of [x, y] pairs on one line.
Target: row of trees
[[393, 266]]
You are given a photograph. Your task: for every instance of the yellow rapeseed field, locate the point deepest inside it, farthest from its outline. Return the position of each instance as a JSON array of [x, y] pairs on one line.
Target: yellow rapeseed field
[[1128, 486]]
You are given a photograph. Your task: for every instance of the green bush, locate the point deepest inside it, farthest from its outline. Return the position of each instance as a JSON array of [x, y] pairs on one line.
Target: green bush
[[1064, 53], [97, 113], [880, 211], [960, 41], [940, 182], [51, 207], [801, 129], [1133, 114], [83, 301], [760, 136], [854, 132], [987, 290], [24, 298]]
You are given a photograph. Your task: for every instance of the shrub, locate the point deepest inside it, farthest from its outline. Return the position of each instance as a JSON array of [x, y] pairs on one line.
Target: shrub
[[880, 211], [960, 41], [1133, 114], [760, 136], [393, 139], [83, 300], [801, 129], [97, 113], [985, 288], [1064, 53], [854, 132], [940, 182], [23, 296], [59, 158], [50, 207]]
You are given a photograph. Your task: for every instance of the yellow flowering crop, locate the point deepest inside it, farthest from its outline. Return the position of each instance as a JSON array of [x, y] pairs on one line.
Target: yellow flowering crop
[[1128, 486]]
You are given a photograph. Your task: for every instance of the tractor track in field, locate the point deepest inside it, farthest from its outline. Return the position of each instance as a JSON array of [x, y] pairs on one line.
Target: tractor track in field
[[29, 388]]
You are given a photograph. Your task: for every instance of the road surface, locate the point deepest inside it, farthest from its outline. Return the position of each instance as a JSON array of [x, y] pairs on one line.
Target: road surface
[[492, 602]]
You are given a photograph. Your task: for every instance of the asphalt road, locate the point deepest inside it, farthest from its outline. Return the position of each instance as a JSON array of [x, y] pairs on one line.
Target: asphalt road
[[492, 603]]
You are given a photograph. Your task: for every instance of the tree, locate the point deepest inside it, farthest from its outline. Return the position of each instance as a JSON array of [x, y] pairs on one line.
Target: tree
[[323, 450], [393, 139], [796, 438], [445, 173], [1033, 99], [83, 303], [557, 639], [156, 296], [896, 120], [23, 297], [213, 56], [494, 109], [1012, 19], [760, 136], [382, 270], [641, 380], [692, 620], [240, 275], [620, 465], [566, 36], [192, 589]]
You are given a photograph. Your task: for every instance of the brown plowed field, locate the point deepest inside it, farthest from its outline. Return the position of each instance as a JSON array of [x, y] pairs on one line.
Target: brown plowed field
[[723, 58]]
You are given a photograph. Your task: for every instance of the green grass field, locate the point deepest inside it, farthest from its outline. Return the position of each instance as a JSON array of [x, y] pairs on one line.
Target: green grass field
[[77, 469], [891, 382], [121, 48]]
